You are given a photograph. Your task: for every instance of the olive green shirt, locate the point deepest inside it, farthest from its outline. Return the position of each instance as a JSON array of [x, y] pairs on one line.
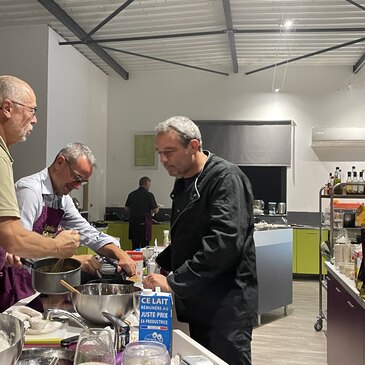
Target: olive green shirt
[[8, 202]]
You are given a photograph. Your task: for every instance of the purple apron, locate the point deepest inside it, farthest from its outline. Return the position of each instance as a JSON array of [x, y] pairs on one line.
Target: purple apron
[[15, 283]]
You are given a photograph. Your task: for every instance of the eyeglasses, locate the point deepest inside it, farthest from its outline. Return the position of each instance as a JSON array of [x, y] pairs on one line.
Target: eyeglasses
[[76, 178], [32, 108]]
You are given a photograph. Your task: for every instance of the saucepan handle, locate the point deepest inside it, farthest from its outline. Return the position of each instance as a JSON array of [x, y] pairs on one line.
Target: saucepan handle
[[69, 341], [27, 262]]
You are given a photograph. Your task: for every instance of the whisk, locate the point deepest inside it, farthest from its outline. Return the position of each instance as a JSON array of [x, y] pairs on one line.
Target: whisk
[[57, 266]]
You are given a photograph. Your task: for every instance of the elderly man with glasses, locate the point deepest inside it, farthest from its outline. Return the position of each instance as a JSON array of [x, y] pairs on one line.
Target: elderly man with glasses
[[17, 119]]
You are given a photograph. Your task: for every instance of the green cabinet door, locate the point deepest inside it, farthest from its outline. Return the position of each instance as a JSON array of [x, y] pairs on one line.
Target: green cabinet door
[[306, 242], [120, 230], [157, 232]]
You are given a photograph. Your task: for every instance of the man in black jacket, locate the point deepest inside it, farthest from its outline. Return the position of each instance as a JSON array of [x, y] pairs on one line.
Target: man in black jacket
[[141, 206], [212, 253]]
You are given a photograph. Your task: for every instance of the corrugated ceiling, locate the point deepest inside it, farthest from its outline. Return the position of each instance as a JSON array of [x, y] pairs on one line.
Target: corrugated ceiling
[[256, 31]]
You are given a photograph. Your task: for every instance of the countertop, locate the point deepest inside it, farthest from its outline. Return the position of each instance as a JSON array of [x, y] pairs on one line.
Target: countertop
[[346, 282]]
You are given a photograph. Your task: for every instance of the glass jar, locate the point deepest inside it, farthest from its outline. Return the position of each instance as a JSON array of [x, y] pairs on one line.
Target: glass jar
[[146, 353]]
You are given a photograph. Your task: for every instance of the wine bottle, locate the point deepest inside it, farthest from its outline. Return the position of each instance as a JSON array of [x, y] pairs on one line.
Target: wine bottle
[[354, 180], [348, 182], [337, 180], [360, 188]]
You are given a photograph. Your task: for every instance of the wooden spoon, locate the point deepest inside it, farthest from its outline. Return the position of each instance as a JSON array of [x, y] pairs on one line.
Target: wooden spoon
[[69, 287]]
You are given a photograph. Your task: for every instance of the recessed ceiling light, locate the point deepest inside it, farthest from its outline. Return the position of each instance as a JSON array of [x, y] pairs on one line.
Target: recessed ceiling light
[[288, 24], [276, 90]]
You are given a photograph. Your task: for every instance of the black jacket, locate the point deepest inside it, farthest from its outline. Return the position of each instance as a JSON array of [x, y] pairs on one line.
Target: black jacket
[[212, 252]]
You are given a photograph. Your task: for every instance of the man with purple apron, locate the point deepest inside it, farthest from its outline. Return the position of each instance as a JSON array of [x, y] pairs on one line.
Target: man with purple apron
[[140, 206]]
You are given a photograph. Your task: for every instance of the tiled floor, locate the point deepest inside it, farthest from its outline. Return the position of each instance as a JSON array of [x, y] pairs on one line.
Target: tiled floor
[[291, 339]]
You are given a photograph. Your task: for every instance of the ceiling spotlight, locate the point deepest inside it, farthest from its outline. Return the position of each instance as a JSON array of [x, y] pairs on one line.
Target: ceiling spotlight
[[276, 90], [288, 24]]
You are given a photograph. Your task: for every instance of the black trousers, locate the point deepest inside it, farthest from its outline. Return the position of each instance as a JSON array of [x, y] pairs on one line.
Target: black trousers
[[231, 345]]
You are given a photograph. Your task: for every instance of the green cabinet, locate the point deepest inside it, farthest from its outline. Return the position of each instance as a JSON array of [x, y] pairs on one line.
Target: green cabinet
[[306, 251], [157, 232], [120, 230]]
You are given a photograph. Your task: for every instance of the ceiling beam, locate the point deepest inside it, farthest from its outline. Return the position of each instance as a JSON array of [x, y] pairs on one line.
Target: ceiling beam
[[230, 34], [163, 60], [108, 18], [307, 55], [216, 32], [356, 4], [144, 38], [359, 64], [67, 21]]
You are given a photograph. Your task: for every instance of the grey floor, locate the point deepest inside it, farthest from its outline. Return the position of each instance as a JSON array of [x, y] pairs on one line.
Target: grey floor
[[291, 339]]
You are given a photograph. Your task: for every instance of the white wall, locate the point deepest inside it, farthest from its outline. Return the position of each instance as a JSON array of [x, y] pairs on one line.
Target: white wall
[[77, 112], [72, 102], [312, 96], [24, 54]]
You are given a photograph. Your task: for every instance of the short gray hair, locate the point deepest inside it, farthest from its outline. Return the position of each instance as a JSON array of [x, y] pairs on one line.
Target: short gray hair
[[13, 88], [75, 150], [184, 126]]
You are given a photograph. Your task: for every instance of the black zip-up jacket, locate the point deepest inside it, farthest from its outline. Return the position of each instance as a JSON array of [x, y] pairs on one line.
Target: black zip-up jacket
[[212, 252]]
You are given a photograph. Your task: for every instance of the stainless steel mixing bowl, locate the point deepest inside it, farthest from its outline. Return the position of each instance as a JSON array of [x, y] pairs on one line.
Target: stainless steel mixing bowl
[[14, 329], [116, 299]]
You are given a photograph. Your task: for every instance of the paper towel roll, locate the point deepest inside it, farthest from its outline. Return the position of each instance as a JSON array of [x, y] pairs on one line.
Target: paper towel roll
[[347, 252], [338, 252]]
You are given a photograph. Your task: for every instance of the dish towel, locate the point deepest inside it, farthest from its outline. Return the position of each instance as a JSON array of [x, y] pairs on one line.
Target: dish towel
[[33, 321]]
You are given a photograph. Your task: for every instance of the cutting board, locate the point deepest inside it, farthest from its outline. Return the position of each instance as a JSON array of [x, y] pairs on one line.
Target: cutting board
[[52, 338]]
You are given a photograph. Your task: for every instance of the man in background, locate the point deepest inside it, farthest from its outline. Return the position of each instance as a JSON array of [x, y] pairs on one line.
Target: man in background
[[141, 206], [212, 253], [18, 109]]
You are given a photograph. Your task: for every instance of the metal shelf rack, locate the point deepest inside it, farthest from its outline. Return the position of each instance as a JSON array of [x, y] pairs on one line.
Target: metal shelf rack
[[318, 325]]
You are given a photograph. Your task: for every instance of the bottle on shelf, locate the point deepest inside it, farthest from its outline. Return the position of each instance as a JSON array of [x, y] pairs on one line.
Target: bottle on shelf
[[329, 185], [354, 180], [348, 182], [360, 188], [337, 180]]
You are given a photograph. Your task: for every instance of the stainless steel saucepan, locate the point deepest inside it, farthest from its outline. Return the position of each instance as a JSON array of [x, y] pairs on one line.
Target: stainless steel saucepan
[[47, 282]]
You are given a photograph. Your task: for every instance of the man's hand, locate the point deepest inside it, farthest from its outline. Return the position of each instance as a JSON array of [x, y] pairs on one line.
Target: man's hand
[[125, 261], [151, 281], [88, 263], [12, 261], [67, 243]]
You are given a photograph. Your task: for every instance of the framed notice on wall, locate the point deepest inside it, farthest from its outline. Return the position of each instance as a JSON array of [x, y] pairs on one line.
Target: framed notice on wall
[[144, 150]]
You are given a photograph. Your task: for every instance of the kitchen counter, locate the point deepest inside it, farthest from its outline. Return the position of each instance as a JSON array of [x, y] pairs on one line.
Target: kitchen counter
[[345, 320], [346, 282], [182, 344]]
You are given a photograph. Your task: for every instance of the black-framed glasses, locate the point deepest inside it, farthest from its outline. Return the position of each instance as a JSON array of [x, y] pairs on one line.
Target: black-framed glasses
[[32, 108], [76, 178]]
